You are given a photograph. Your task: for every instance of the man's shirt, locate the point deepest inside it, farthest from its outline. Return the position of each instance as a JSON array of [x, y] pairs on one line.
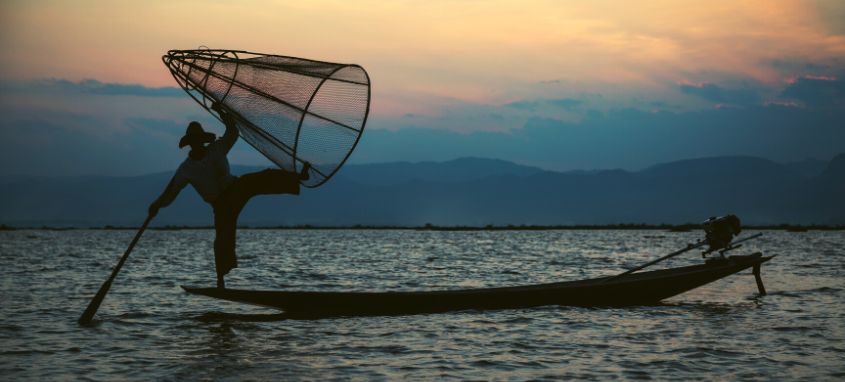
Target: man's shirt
[[209, 175]]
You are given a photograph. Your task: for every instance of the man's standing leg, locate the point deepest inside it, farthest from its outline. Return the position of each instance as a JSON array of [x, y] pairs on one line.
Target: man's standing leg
[[225, 225], [227, 210]]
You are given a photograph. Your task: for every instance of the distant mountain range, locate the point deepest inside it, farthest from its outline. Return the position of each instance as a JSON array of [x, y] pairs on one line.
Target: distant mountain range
[[467, 191]]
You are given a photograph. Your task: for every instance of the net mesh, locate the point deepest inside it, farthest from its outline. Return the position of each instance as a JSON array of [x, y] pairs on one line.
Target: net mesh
[[292, 110]]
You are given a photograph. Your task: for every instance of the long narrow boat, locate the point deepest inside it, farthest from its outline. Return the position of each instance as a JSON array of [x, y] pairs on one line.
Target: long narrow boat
[[631, 289]]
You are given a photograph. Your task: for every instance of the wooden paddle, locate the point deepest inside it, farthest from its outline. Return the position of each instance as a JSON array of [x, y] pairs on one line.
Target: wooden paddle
[[101, 294], [688, 248]]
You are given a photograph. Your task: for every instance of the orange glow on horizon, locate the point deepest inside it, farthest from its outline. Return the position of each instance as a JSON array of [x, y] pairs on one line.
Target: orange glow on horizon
[[478, 52]]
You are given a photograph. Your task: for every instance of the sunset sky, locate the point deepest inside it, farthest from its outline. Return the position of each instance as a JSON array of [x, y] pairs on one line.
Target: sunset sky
[[558, 84]]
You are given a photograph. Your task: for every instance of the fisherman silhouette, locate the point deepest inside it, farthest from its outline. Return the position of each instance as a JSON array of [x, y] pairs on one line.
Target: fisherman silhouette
[[207, 170]]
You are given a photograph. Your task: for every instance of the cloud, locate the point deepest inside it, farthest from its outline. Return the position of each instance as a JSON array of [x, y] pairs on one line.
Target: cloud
[[625, 138], [62, 143], [817, 91], [59, 127], [564, 103], [90, 86], [800, 66], [716, 93], [832, 14], [524, 105], [122, 134]]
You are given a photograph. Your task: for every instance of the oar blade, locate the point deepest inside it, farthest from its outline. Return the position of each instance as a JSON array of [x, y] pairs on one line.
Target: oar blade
[[91, 310]]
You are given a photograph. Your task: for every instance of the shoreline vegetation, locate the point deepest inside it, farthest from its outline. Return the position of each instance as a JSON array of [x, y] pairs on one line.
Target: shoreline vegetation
[[431, 227]]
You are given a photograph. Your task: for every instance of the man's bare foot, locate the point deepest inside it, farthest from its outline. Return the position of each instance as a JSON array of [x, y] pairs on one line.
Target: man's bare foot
[[303, 174]]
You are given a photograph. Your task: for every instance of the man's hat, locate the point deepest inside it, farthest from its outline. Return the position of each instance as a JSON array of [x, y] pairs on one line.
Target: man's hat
[[194, 133]]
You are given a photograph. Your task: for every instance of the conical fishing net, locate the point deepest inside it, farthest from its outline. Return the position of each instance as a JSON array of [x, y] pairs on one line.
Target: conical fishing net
[[290, 109]]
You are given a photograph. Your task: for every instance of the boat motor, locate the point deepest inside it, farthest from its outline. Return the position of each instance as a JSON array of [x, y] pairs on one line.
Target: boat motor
[[719, 235], [720, 231]]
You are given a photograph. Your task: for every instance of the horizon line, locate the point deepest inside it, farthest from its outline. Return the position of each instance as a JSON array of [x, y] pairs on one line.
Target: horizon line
[[673, 228]]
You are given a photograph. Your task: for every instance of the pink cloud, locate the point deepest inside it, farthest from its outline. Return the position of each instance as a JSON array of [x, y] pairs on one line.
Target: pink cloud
[[720, 106], [783, 103], [793, 80], [822, 78], [694, 84]]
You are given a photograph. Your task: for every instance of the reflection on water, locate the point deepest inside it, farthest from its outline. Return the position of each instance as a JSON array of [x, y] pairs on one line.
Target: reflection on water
[[147, 328]]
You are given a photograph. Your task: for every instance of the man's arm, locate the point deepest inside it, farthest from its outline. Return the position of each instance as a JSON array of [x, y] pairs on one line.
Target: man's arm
[[177, 183], [231, 135]]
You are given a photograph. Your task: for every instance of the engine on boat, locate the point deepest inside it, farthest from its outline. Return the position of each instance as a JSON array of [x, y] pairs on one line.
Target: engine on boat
[[720, 231]]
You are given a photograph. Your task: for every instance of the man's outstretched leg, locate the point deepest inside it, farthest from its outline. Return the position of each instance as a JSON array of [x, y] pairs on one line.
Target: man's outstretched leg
[[268, 182]]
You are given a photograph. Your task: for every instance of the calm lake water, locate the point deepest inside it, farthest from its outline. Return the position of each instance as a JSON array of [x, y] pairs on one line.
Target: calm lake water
[[149, 329]]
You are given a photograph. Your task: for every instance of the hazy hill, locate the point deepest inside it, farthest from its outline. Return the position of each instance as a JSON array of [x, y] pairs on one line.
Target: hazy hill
[[469, 191], [457, 170], [807, 167]]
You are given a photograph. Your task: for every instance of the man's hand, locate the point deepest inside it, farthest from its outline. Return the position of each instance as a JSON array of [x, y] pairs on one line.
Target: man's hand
[[303, 174], [153, 210], [223, 113], [217, 107]]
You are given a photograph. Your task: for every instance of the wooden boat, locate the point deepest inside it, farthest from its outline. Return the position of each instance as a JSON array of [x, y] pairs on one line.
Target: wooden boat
[[624, 290]]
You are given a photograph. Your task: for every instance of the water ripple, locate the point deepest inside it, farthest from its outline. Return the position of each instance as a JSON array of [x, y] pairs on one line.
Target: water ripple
[[148, 329]]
